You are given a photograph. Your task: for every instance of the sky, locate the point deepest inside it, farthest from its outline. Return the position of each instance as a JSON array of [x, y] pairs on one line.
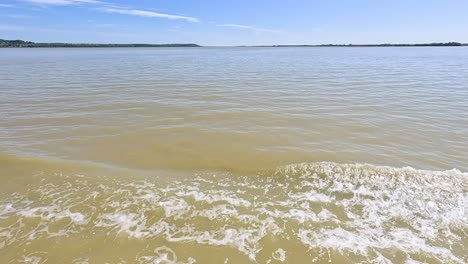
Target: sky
[[235, 22]]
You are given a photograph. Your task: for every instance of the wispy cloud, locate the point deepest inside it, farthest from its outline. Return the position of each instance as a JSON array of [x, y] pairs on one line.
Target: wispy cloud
[[75, 32], [6, 5], [104, 25], [11, 28], [19, 16], [251, 28], [108, 7], [62, 2], [144, 13]]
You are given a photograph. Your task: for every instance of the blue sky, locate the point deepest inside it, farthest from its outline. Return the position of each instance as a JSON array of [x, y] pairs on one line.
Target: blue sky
[[235, 22]]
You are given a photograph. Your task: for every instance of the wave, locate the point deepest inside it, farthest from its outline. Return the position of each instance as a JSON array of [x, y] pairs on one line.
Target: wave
[[309, 212]]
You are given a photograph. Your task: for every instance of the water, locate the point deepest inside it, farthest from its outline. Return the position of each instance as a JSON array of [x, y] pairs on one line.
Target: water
[[234, 155]]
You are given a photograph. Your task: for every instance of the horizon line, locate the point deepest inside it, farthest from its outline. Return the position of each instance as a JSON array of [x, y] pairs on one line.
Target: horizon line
[[24, 42]]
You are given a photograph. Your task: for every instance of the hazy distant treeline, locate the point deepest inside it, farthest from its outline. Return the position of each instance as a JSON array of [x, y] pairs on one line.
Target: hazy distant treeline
[[378, 45], [29, 44]]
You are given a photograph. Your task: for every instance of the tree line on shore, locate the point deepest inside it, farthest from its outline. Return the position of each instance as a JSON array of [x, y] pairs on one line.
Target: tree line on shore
[[29, 44], [445, 44]]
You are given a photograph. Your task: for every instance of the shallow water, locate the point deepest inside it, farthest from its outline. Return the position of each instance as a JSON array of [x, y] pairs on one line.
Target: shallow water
[[234, 155]]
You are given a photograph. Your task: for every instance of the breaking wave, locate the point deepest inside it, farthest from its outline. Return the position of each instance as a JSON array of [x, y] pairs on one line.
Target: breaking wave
[[314, 212]]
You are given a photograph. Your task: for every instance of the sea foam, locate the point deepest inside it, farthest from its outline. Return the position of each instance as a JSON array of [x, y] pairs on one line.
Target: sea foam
[[325, 211]]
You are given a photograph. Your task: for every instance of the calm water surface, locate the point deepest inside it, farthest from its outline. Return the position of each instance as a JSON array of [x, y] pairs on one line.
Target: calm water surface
[[234, 155]]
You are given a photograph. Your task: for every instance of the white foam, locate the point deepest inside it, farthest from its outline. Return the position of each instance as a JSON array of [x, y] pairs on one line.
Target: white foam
[[215, 197], [279, 255], [31, 260], [218, 211], [175, 207], [81, 261], [341, 208], [131, 224], [164, 255]]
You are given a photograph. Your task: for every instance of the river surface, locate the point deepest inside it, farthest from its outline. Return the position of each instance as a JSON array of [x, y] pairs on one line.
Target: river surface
[[234, 155]]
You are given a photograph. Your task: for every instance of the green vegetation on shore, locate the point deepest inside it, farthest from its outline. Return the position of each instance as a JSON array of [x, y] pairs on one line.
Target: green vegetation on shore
[[447, 44], [29, 44]]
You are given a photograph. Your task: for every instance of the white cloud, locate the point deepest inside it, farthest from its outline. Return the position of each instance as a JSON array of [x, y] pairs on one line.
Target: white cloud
[[62, 2], [144, 13], [6, 5], [252, 28]]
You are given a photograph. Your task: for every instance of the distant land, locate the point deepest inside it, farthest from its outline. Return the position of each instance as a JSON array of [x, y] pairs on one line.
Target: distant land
[[29, 44], [446, 44]]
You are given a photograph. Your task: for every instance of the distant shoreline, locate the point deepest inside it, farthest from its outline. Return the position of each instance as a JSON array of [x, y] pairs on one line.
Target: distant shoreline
[[446, 44], [29, 44]]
